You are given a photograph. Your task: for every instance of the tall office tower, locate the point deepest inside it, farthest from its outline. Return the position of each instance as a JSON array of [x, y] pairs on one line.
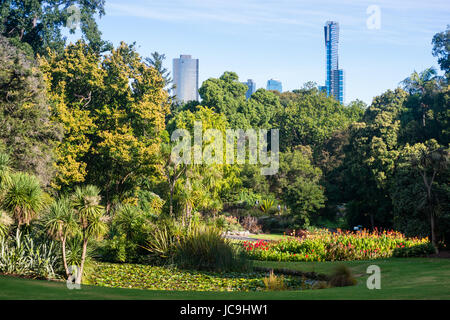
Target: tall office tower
[[251, 88], [334, 82], [185, 78], [274, 85]]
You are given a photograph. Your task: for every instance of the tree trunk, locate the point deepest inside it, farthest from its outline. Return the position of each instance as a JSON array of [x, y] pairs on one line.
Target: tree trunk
[[83, 259], [63, 244], [172, 187], [433, 231], [372, 221]]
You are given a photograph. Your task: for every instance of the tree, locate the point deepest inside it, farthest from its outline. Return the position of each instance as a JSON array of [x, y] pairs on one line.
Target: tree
[[227, 96], [441, 49], [200, 187], [431, 162], [310, 118], [112, 109], [24, 199], [89, 213], [27, 134], [156, 61], [422, 85], [38, 23], [61, 224], [297, 184], [370, 160]]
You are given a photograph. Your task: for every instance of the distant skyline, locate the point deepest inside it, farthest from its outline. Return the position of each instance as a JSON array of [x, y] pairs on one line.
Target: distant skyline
[[283, 39]]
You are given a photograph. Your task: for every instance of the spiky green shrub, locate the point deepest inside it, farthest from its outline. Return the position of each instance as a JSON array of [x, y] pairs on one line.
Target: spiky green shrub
[[21, 255], [162, 243], [24, 198], [204, 248]]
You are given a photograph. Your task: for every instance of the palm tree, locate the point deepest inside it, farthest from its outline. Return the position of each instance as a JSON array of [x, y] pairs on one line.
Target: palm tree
[[61, 223], [424, 83], [418, 82], [24, 198], [90, 216]]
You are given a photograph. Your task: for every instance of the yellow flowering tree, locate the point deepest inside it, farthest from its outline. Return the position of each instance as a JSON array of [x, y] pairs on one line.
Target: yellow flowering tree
[[112, 109]]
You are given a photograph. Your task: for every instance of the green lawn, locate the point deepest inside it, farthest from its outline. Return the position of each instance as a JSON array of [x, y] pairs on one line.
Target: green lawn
[[272, 236], [411, 278]]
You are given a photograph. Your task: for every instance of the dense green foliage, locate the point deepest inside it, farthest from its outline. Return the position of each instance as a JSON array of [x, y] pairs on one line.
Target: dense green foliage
[[27, 134], [85, 160], [37, 24]]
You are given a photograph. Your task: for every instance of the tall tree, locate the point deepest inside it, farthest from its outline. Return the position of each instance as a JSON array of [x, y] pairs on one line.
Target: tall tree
[[431, 163], [38, 23], [113, 111], [157, 61], [297, 184], [61, 224], [89, 213], [441, 49], [27, 134]]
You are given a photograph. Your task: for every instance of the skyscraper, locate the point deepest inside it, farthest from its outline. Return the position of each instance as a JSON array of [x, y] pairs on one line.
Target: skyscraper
[[334, 82], [251, 88], [274, 85], [185, 78]]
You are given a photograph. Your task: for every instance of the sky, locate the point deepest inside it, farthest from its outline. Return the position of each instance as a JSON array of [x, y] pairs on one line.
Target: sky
[[284, 39]]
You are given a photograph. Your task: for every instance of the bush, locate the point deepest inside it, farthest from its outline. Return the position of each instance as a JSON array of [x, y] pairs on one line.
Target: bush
[[204, 248], [130, 229], [419, 250], [163, 241]]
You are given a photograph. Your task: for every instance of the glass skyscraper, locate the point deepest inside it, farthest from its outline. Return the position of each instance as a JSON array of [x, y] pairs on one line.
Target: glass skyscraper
[[274, 85], [251, 88], [185, 78], [334, 81]]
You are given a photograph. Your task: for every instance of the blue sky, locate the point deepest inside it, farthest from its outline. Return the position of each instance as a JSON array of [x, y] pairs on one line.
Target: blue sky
[[283, 39]]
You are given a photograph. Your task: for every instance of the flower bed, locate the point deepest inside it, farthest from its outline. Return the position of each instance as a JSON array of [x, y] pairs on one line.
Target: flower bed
[[162, 278], [340, 246]]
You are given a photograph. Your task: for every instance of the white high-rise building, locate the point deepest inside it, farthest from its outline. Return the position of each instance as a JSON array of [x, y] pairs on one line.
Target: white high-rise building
[[185, 78]]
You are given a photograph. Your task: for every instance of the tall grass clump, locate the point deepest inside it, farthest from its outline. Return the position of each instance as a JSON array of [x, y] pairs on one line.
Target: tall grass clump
[[342, 277], [204, 248], [274, 283]]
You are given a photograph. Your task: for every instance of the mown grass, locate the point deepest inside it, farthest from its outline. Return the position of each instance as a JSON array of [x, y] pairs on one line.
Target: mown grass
[[272, 236], [401, 278]]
